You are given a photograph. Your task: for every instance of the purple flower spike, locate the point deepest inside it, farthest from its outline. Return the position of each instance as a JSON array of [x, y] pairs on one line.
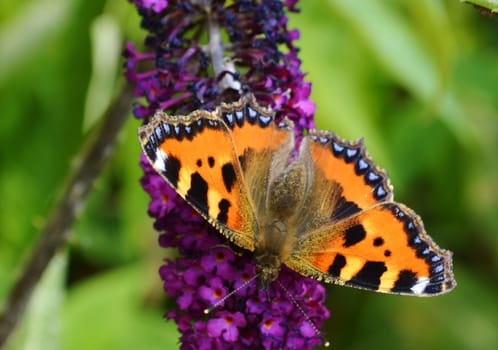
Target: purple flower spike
[[185, 74]]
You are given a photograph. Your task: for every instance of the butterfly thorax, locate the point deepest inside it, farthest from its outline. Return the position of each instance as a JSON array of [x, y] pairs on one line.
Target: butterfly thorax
[[276, 240]]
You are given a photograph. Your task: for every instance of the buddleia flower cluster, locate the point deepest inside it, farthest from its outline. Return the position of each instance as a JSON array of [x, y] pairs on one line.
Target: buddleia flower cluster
[[197, 54]]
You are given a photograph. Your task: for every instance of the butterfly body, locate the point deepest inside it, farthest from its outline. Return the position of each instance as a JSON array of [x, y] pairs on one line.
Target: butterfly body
[[327, 213]]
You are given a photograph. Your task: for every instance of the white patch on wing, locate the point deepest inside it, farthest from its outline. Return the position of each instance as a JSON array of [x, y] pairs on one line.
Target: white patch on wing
[[419, 287], [160, 162]]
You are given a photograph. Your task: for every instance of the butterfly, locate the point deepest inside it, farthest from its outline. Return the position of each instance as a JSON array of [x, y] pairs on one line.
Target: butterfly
[[327, 213]]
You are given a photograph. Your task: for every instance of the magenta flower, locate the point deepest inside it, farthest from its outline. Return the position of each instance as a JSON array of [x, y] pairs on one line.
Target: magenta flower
[[259, 57], [226, 325]]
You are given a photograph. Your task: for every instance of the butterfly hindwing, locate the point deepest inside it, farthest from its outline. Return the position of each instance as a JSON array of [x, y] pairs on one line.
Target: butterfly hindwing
[[363, 239], [384, 248]]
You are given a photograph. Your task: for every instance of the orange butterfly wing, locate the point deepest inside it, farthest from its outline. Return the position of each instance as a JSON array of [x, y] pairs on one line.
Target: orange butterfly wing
[[207, 157], [349, 230], [363, 239], [263, 147]]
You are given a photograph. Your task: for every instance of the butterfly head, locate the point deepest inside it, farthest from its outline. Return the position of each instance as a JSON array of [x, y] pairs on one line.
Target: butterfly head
[[267, 269]]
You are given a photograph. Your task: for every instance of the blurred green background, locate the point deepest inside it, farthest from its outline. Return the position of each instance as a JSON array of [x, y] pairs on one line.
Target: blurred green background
[[417, 79]]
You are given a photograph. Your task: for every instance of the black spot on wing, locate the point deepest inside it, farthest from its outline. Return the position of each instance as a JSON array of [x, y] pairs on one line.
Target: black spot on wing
[[197, 193], [344, 209], [354, 235], [223, 206], [369, 275], [378, 241], [229, 177], [337, 265], [172, 171], [211, 162], [406, 280]]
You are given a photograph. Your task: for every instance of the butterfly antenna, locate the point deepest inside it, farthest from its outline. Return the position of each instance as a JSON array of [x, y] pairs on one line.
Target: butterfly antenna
[[326, 343], [242, 286]]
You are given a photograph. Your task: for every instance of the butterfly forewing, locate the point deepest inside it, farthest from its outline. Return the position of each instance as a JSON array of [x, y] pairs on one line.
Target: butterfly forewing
[[197, 156], [348, 165], [263, 146]]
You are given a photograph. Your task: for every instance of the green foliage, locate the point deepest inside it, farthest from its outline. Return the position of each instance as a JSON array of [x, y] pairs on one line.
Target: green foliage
[[417, 79]]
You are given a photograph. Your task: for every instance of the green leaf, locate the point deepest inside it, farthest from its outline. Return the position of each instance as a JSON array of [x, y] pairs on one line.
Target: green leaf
[[41, 325], [106, 49], [491, 5], [108, 312], [22, 35], [395, 45]]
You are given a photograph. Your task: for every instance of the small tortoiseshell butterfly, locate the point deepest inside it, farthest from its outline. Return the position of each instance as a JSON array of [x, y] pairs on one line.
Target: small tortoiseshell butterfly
[[329, 214]]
